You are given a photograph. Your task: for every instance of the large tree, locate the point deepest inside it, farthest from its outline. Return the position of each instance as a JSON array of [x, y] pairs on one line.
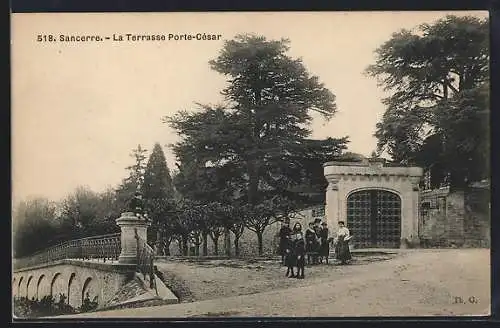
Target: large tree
[[256, 143], [157, 182], [438, 79], [158, 193]]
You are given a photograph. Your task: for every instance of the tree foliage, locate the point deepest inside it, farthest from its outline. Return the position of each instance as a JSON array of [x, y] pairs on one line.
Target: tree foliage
[[157, 182], [254, 146], [438, 77], [134, 181], [34, 225], [87, 213]]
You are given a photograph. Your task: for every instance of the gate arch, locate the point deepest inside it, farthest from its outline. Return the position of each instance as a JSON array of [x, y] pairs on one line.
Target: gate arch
[[374, 217]]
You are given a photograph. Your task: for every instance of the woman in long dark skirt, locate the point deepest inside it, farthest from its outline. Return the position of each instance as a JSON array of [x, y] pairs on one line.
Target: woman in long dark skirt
[[299, 250], [311, 243], [284, 235], [290, 258], [300, 254], [324, 250], [342, 252]]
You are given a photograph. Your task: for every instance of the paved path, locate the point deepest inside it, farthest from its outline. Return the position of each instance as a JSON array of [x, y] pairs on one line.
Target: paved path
[[420, 283]]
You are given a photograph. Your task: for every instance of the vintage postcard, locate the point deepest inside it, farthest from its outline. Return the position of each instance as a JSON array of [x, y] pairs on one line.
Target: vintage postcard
[[250, 164]]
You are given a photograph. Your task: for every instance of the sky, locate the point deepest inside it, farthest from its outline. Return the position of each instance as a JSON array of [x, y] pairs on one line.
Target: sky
[[78, 109]]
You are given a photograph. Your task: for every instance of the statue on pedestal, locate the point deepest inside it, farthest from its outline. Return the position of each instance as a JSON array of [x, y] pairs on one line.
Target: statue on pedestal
[[136, 206]]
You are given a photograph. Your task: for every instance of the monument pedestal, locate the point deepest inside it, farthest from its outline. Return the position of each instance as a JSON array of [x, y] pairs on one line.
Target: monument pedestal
[[131, 225]]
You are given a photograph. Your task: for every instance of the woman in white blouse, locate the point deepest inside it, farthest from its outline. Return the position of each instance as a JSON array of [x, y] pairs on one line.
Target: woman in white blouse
[[342, 252]]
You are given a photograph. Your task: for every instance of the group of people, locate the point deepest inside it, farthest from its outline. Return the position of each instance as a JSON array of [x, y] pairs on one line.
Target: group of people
[[314, 244]]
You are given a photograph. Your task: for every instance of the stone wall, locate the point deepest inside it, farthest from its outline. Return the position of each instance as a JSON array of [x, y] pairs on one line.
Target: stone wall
[[455, 219], [477, 219]]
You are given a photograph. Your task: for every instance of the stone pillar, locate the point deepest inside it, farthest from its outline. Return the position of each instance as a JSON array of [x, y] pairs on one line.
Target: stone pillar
[[407, 217], [130, 224], [415, 180], [332, 202]]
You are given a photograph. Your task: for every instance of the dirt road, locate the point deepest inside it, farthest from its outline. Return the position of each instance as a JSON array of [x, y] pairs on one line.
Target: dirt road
[[420, 283]]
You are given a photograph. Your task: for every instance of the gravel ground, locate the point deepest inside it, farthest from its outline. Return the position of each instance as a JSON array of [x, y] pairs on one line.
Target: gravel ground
[[414, 283], [199, 280]]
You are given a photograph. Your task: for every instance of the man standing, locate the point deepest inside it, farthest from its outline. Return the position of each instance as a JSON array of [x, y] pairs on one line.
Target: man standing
[[284, 235]]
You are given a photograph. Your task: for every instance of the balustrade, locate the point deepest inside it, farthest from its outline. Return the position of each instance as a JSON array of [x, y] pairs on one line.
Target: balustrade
[[99, 248], [145, 260]]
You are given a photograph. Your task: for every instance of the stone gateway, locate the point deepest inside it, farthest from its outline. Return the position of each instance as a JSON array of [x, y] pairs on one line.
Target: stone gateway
[[379, 204]]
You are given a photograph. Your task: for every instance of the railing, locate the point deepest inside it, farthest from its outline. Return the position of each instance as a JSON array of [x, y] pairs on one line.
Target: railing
[[100, 248], [145, 261]]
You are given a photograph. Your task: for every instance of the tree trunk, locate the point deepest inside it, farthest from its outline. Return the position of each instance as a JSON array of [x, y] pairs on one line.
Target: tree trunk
[[236, 246], [216, 245], [179, 242], [159, 243], [185, 248], [259, 240], [197, 243], [227, 242], [166, 245], [205, 246]]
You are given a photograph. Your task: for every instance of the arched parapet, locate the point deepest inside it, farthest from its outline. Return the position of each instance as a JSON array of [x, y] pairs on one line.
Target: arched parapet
[[73, 279]]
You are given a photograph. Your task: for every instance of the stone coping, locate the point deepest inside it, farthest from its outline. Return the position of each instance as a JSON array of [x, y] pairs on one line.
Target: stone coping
[[332, 169], [93, 264]]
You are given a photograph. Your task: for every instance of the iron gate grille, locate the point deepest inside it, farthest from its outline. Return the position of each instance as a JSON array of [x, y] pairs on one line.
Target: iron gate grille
[[374, 218]]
